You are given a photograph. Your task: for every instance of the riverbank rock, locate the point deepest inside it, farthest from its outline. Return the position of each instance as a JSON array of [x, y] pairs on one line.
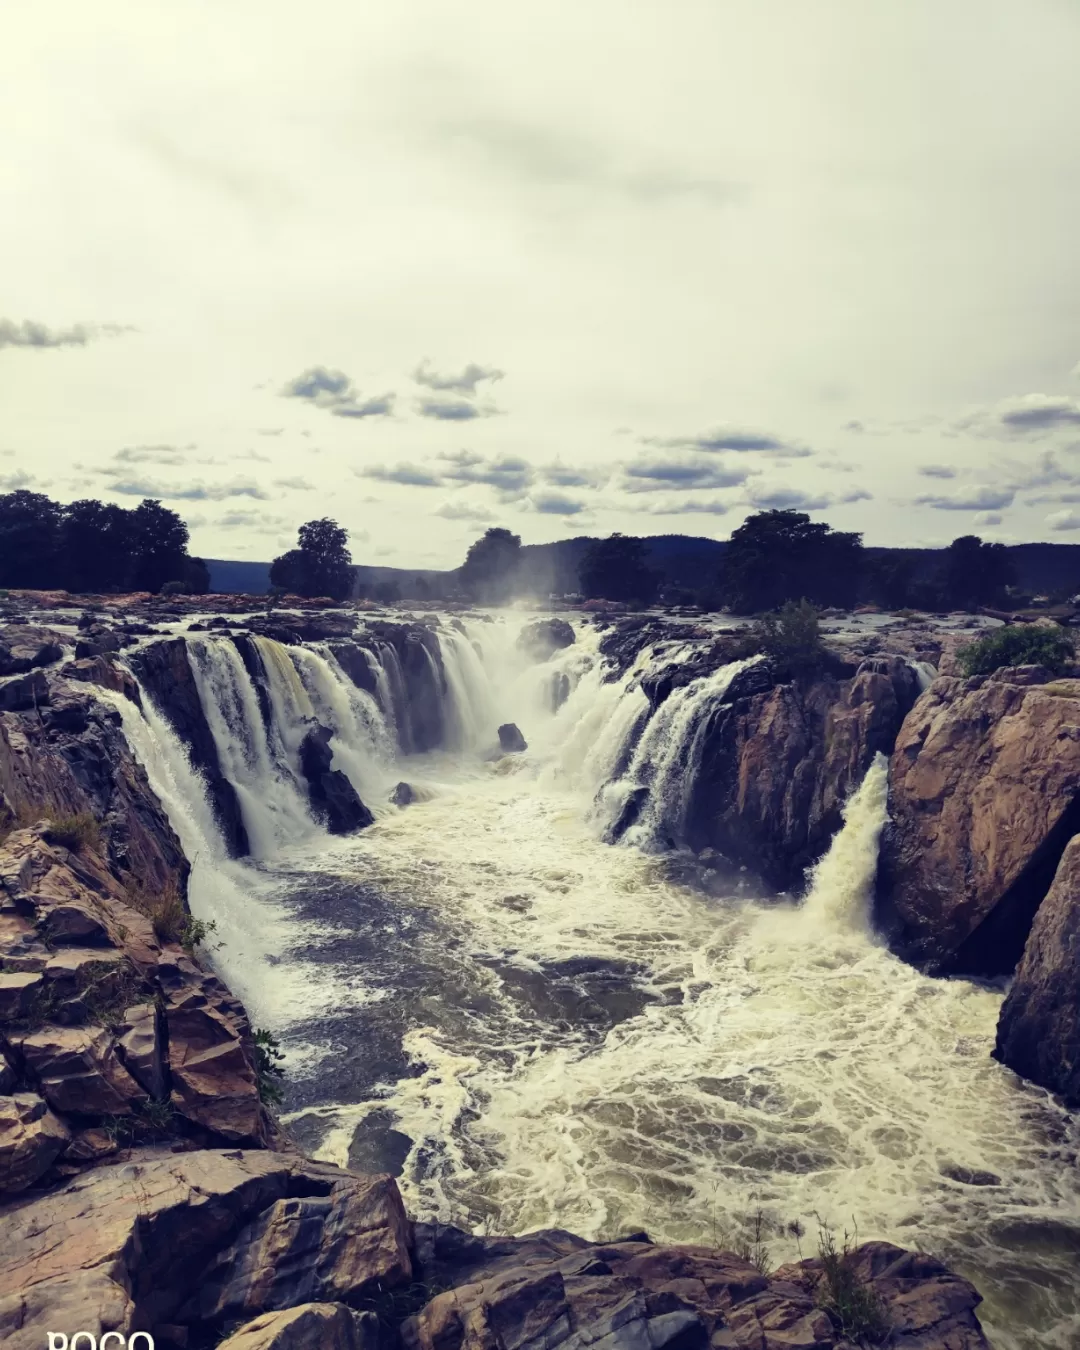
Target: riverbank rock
[[1039, 1028], [778, 764], [311, 1326], [984, 794], [552, 1289], [164, 670], [334, 800], [190, 1243]]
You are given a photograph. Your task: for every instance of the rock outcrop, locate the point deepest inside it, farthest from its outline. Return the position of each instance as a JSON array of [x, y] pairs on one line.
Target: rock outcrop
[[511, 741], [165, 672], [333, 798], [31, 1139], [542, 639], [778, 761], [24, 647], [1039, 1027], [310, 1326], [984, 794]]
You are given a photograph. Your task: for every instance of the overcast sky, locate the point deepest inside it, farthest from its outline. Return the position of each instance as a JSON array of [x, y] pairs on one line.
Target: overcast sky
[[569, 267]]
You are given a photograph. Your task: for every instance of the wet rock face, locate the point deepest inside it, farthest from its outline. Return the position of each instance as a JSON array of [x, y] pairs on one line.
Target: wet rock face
[[984, 794], [333, 798], [554, 1290], [165, 674], [1039, 1027], [778, 765], [511, 741]]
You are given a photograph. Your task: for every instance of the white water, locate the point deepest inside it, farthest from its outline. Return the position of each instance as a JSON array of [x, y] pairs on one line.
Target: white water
[[786, 1062]]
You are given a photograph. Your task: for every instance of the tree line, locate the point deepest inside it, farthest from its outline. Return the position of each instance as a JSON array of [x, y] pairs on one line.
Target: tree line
[[94, 547]]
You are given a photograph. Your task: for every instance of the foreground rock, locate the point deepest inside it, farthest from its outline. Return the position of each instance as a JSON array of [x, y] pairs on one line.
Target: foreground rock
[[551, 1289], [311, 1326], [199, 1241], [1039, 1027], [984, 794], [779, 760]]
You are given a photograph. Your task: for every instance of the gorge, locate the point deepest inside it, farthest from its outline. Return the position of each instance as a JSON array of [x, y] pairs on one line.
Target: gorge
[[637, 975]]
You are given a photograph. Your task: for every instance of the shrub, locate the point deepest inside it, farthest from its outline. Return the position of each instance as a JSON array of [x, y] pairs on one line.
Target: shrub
[[791, 638], [853, 1305], [77, 832], [1019, 645], [268, 1070], [170, 916], [175, 588]]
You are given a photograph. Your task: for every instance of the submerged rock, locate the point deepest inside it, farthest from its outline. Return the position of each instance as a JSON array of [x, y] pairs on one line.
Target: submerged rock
[[403, 795], [511, 741], [984, 794], [1039, 1027]]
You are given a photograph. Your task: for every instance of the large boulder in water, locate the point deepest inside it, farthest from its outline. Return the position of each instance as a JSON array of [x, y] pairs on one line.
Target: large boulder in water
[[984, 794], [1039, 1027], [511, 741], [24, 647], [542, 639], [333, 798], [777, 764]]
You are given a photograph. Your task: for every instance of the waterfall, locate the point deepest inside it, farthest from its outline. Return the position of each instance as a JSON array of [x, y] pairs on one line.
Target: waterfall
[[842, 883]]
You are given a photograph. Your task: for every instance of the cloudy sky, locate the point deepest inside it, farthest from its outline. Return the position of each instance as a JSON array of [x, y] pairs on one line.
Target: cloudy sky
[[570, 267]]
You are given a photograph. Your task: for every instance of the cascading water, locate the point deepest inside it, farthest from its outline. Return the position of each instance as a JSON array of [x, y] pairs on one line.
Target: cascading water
[[527, 1024]]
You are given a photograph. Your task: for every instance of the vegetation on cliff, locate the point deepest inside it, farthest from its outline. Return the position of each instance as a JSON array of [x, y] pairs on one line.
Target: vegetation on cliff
[[1019, 645]]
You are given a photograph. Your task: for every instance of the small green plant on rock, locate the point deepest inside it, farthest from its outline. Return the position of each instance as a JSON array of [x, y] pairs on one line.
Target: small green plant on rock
[[790, 638], [268, 1071], [853, 1305], [1026, 644], [75, 832]]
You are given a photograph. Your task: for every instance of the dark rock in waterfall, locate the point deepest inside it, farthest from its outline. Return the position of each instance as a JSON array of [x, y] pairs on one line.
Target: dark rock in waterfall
[[511, 741], [558, 690], [1039, 1028], [984, 795], [165, 673], [631, 811], [542, 639], [403, 795], [778, 765], [356, 662], [334, 800], [253, 664], [25, 647]]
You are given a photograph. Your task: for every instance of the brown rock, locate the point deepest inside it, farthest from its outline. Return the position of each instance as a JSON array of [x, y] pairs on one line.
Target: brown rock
[[24, 646], [78, 1071], [311, 1326], [211, 1054], [984, 794], [100, 670], [18, 992], [1039, 1026], [90, 1146], [140, 1046], [777, 766], [31, 1137], [337, 1247]]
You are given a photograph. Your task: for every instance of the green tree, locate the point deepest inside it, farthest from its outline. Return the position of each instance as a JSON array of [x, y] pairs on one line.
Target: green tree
[[490, 570], [1019, 645], [96, 546], [615, 569], [159, 540], [321, 565], [975, 573], [29, 540], [776, 556]]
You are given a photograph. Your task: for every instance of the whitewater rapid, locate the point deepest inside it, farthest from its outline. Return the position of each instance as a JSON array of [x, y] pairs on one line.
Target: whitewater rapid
[[535, 1028]]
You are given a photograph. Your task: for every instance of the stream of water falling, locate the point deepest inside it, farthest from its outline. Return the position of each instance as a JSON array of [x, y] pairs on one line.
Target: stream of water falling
[[535, 1028]]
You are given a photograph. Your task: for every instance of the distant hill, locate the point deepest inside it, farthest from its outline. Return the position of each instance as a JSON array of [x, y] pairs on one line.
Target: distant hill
[[684, 560]]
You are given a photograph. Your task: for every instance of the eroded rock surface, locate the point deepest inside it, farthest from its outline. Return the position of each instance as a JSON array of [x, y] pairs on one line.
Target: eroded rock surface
[[1039, 1027], [984, 794]]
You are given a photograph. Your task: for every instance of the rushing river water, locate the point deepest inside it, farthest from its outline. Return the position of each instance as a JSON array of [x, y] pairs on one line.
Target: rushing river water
[[533, 1027]]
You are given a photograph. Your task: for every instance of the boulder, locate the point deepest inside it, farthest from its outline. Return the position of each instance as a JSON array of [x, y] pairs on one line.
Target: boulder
[[31, 1138], [1039, 1027], [310, 1326], [334, 800], [100, 670], [77, 1071], [984, 794], [141, 1243], [24, 647], [778, 764], [403, 795], [210, 1049], [141, 1049], [511, 741], [23, 693], [165, 674], [19, 990], [542, 639]]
